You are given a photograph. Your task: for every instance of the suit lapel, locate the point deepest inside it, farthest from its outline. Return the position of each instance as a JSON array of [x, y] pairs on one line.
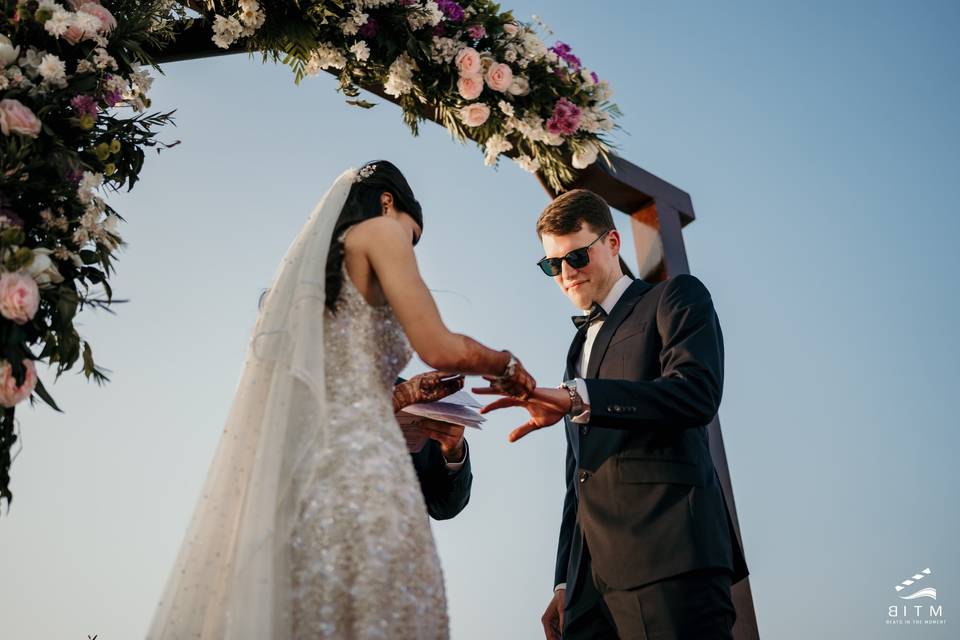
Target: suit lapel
[[618, 314], [574, 353]]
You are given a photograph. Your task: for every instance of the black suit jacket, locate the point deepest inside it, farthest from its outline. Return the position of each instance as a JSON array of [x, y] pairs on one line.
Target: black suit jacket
[[445, 492], [643, 499]]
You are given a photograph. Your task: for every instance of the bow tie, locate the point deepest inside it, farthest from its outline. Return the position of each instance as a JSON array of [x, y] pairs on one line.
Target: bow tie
[[596, 313]]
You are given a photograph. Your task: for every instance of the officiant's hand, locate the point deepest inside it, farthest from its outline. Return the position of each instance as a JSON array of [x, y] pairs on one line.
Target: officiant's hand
[[545, 406], [450, 437], [425, 387]]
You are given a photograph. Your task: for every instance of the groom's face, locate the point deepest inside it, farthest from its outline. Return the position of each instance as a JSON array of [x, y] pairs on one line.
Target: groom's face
[[591, 283]]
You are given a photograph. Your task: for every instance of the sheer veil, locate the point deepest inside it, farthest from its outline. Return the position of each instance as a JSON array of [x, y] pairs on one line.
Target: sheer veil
[[231, 579]]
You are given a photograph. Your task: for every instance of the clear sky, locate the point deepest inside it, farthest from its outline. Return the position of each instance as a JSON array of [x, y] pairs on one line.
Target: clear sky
[[821, 147]]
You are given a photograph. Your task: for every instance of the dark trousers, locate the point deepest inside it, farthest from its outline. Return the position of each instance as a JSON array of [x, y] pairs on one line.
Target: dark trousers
[[690, 606]]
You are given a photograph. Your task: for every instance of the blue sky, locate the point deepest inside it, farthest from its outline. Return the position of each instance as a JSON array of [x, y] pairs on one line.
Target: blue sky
[[820, 145]]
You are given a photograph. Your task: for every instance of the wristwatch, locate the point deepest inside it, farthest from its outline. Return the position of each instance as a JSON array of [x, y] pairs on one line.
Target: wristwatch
[[576, 402]]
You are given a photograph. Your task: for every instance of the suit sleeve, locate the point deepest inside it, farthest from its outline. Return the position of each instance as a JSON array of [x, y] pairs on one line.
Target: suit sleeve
[[445, 492], [688, 391], [569, 519]]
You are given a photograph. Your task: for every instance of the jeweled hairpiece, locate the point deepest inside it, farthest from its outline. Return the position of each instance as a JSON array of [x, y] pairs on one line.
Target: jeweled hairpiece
[[366, 172]]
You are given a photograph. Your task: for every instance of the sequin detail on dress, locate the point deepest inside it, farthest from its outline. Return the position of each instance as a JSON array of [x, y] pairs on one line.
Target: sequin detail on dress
[[364, 562]]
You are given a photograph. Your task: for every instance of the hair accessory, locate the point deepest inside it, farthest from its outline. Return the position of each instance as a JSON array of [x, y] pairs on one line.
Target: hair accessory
[[366, 172]]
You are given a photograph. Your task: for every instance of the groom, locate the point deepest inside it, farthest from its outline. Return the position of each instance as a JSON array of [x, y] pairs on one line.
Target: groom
[[646, 547]]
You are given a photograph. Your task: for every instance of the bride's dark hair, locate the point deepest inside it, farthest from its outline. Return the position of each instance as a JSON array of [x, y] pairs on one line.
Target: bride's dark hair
[[363, 203]]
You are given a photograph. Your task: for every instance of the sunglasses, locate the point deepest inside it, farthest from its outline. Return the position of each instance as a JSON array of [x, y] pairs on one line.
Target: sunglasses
[[578, 259]]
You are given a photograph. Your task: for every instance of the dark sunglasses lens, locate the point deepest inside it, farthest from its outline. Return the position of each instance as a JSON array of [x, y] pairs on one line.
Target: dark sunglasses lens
[[550, 266], [578, 258]]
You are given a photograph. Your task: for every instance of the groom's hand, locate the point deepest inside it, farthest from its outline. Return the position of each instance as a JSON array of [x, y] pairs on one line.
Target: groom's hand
[[545, 406], [553, 617]]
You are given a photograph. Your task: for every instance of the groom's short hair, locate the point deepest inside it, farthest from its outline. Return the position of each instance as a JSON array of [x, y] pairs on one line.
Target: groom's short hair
[[567, 213]]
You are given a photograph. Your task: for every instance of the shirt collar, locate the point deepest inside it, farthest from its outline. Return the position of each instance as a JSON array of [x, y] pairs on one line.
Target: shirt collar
[[616, 292]]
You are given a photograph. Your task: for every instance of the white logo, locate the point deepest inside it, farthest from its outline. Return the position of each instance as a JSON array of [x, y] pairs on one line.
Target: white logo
[[929, 592], [913, 613]]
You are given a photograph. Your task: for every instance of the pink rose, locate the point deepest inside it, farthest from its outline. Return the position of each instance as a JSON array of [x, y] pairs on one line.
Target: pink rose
[[17, 118], [19, 297], [499, 77], [474, 115], [76, 4], [10, 394], [107, 22], [470, 86], [468, 62], [73, 34]]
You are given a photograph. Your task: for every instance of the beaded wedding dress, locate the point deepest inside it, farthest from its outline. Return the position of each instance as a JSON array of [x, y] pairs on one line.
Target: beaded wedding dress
[[311, 523]]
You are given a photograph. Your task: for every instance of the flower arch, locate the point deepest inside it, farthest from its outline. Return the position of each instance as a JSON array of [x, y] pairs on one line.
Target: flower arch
[[74, 125]]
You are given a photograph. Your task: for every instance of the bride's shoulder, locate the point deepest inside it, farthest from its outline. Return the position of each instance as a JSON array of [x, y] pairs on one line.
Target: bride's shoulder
[[377, 231]]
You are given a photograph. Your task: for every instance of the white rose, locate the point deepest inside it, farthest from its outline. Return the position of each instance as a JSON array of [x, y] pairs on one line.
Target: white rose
[[42, 268], [585, 155], [519, 87], [8, 52]]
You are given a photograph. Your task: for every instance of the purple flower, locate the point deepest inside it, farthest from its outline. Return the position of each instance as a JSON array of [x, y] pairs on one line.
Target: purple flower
[[439, 30], [564, 52], [73, 175], [408, 3], [476, 31], [565, 119], [84, 105], [112, 98], [369, 29], [452, 10], [596, 78]]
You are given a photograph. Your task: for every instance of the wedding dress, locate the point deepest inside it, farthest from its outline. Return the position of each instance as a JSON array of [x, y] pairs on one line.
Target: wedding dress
[[311, 523]]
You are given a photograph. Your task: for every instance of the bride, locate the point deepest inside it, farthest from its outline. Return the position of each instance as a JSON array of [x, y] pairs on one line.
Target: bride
[[311, 522]]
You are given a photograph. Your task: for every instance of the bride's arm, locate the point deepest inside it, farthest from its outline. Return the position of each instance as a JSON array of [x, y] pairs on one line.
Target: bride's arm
[[388, 247]]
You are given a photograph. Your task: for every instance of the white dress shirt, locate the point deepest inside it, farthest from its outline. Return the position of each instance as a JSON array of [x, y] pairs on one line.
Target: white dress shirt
[[619, 287]]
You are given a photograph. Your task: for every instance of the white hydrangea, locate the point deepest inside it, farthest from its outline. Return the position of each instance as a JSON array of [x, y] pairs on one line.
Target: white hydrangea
[[85, 67], [139, 85], [53, 70], [506, 108], [104, 60], [30, 61], [88, 183], [352, 23], [496, 144], [360, 51], [444, 50], [325, 56], [251, 17], [533, 47], [528, 163], [425, 14], [400, 76], [59, 22], [226, 31]]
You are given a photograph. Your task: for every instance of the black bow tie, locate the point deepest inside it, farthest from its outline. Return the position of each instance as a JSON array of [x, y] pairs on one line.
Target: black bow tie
[[596, 313]]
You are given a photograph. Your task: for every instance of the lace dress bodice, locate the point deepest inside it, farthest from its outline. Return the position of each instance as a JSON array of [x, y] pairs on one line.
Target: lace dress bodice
[[364, 562]]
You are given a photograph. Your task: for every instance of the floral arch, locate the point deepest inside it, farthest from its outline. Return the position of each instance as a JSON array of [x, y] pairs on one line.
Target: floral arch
[[75, 123]]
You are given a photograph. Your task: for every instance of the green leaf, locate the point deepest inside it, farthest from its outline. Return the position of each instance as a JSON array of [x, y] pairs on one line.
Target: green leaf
[[41, 391], [363, 104]]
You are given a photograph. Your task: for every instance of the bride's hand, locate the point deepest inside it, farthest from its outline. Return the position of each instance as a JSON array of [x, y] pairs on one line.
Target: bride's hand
[[545, 406], [515, 382], [425, 387]]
